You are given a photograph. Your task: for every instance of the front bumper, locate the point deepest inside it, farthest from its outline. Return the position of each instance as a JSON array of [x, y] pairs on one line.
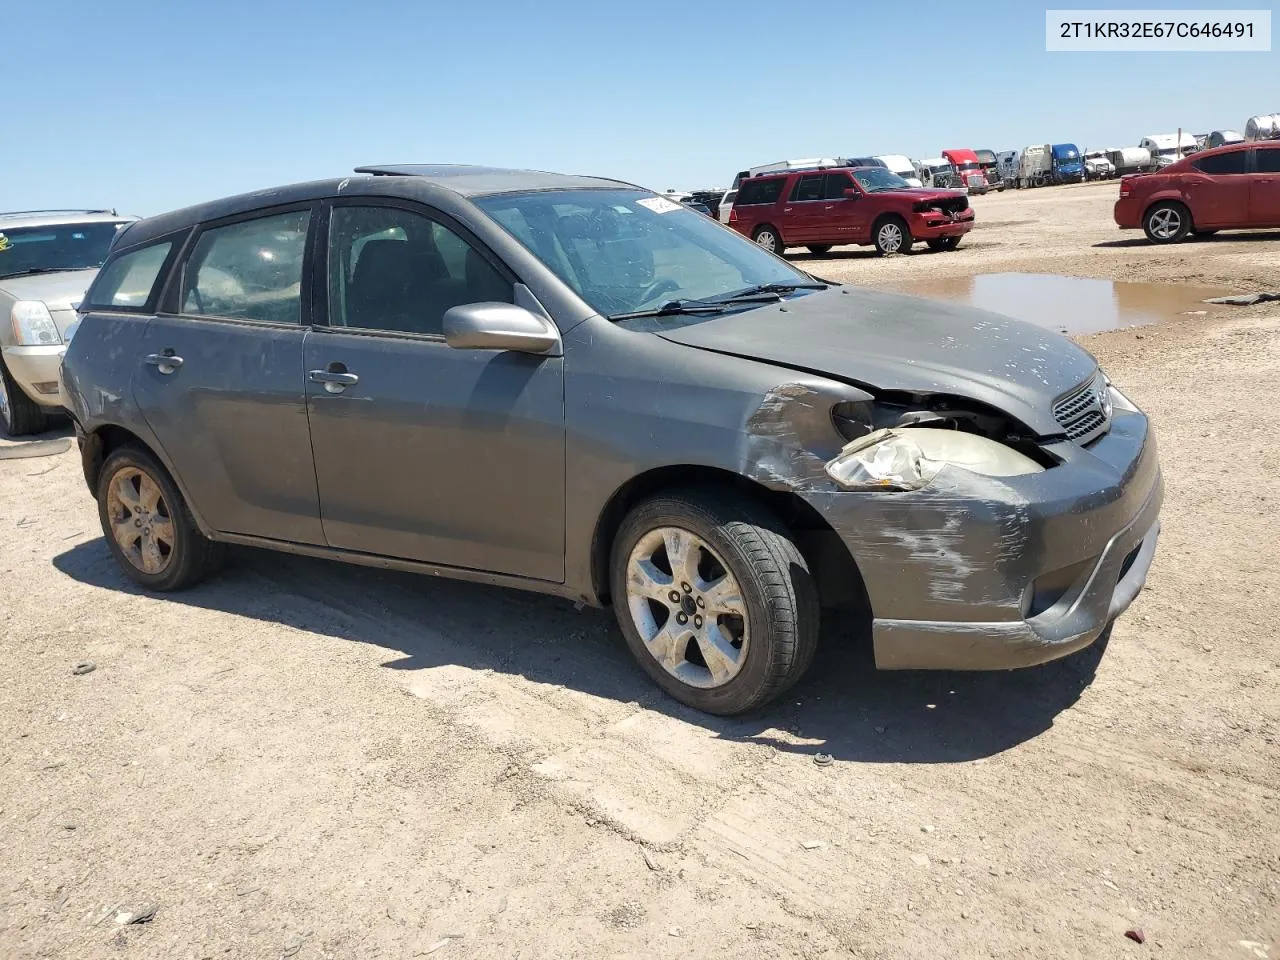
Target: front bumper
[[930, 226], [36, 371], [979, 573]]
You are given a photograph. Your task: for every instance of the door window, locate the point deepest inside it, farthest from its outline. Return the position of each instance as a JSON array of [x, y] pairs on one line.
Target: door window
[[127, 281], [393, 269], [759, 191], [1221, 164], [808, 188], [251, 270], [837, 184], [1268, 160]]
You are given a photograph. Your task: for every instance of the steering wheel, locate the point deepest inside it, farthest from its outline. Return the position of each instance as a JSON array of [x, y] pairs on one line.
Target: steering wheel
[[658, 287]]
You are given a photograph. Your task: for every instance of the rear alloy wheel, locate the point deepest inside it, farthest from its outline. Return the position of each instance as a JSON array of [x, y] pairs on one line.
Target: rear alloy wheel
[[1167, 222], [714, 599], [20, 416], [770, 239], [943, 243], [148, 527], [819, 249], [892, 235]]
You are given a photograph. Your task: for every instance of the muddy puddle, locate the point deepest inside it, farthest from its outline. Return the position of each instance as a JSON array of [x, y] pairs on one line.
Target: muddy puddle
[[1072, 305]]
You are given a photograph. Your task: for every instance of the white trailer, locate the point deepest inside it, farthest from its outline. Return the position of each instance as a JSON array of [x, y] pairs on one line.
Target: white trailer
[[902, 166], [1167, 148], [1129, 159], [1035, 165], [786, 165]]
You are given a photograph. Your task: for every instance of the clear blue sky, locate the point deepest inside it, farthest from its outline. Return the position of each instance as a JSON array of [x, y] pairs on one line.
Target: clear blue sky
[[149, 105]]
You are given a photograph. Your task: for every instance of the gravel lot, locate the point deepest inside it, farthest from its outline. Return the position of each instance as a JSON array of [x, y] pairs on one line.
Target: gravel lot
[[305, 759]]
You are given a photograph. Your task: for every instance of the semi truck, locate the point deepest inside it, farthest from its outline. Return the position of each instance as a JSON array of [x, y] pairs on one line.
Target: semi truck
[[968, 169]]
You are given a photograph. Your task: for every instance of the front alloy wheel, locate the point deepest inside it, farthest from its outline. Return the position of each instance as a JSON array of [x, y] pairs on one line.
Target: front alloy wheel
[[714, 598], [892, 237]]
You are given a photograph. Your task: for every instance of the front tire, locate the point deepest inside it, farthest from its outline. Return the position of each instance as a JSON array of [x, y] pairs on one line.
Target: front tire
[[149, 529], [20, 416], [819, 249], [1167, 222], [770, 239], [892, 235], [714, 599], [943, 243]]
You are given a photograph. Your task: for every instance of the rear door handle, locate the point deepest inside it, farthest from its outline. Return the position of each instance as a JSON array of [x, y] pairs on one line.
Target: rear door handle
[[334, 381], [166, 362]]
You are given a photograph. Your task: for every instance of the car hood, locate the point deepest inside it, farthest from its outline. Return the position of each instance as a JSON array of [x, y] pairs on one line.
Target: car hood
[[885, 341], [59, 291]]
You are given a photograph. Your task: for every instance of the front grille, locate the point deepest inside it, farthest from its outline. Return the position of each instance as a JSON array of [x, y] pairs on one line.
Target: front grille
[[1085, 412]]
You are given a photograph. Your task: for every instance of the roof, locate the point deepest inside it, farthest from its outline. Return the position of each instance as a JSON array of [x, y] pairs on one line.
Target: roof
[[475, 181], [53, 218]]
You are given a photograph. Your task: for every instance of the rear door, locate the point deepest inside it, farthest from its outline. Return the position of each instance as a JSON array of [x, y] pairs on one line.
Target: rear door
[[219, 376], [1264, 188], [1217, 189], [803, 213]]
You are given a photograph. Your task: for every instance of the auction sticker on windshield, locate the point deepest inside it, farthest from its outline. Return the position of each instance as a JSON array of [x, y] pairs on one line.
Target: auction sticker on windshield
[[658, 204], [4, 242]]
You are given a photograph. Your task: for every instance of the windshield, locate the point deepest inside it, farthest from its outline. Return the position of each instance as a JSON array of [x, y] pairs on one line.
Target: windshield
[[1167, 152], [624, 251], [64, 246], [969, 165], [878, 180]]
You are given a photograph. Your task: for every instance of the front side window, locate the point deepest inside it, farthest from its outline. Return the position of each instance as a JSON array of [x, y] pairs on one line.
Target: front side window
[[1221, 164], [1268, 160], [397, 270], [63, 246], [837, 184], [627, 250], [251, 270], [128, 280], [808, 188]]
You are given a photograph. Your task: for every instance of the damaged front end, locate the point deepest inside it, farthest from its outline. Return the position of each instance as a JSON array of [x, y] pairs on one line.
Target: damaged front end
[[945, 209]]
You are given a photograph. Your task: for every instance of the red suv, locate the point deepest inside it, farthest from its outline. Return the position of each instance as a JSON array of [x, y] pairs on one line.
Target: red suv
[[819, 209], [1220, 189]]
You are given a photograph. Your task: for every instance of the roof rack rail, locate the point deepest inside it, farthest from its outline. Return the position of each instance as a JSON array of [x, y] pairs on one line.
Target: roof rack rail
[[27, 213]]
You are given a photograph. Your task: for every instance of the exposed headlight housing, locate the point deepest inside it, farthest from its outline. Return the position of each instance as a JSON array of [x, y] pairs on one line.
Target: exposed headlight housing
[[33, 324], [908, 459], [1118, 400]]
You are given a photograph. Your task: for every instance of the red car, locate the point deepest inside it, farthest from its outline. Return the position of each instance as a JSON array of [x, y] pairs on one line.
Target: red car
[[820, 209], [1225, 188]]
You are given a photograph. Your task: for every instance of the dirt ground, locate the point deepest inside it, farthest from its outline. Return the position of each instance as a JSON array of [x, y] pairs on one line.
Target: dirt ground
[[306, 759]]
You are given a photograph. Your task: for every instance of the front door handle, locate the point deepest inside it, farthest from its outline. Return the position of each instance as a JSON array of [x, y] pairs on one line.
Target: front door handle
[[166, 362], [334, 380]]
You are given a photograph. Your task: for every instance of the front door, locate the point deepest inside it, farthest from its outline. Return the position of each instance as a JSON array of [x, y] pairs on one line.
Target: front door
[[846, 217], [219, 379], [802, 214], [1264, 188], [1217, 190], [424, 452]]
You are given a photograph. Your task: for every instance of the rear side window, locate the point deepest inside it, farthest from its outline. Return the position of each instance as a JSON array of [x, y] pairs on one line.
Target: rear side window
[[759, 191], [1221, 164], [808, 188], [1268, 161], [251, 270], [128, 280]]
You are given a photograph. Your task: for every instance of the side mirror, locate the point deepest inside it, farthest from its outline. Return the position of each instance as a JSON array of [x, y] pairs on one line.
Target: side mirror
[[499, 326], [851, 193]]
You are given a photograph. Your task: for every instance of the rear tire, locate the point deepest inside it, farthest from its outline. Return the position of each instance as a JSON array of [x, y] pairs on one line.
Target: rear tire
[[20, 416], [943, 243], [744, 571], [148, 527], [819, 249], [1167, 222], [770, 239], [892, 235]]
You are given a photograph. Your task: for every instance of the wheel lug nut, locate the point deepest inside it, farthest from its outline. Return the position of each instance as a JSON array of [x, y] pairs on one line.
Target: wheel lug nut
[[686, 588], [681, 619], [675, 596], [701, 602], [697, 621]]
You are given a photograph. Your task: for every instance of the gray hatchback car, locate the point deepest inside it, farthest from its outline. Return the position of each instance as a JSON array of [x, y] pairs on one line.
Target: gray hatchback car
[[575, 386]]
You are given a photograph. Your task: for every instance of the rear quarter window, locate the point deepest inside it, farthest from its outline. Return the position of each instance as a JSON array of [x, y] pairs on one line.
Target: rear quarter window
[[759, 191], [128, 281]]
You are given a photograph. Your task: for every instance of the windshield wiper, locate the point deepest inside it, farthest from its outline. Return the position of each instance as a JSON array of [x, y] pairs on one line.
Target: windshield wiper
[[758, 293], [30, 270], [672, 308]]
